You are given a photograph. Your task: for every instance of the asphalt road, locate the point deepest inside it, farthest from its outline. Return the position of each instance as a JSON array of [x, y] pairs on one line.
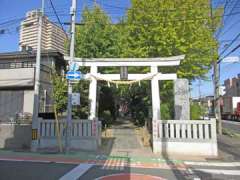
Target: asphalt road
[[231, 125], [10, 170]]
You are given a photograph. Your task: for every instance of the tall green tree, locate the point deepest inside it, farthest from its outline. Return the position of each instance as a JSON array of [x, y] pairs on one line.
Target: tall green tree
[[97, 38], [173, 27], [59, 94]]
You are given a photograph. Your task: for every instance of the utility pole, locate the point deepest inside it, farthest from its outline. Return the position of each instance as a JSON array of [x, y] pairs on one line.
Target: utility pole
[[216, 80], [69, 106], [35, 132]]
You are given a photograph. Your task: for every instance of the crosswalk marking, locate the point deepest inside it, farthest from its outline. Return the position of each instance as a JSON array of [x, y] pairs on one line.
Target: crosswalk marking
[[114, 164], [76, 172], [218, 164], [220, 171]]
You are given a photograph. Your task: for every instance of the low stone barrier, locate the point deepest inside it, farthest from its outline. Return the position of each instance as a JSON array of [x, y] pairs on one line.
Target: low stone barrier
[[86, 134], [15, 136], [185, 137]]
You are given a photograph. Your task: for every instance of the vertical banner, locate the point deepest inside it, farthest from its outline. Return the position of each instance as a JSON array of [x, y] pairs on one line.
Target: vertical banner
[[155, 129], [94, 127]]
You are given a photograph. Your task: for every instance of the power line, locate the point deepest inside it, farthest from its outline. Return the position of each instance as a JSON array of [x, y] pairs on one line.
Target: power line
[[233, 50], [10, 22], [235, 39], [225, 6], [177, 20], [56, 14], [227, 17], [230, 27]]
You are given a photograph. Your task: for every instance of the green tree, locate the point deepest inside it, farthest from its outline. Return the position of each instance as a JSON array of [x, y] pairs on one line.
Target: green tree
[[197, 111], [59, 92], [172, 27], [97, 38], [151, 28]]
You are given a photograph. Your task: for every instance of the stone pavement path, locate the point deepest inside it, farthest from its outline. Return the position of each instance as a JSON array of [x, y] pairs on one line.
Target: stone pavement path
[[125, 136]]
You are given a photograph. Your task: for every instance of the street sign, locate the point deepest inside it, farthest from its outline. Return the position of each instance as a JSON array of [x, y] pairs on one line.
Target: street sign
[[231, 59], [74, 75], [75, 99], [73, 67]]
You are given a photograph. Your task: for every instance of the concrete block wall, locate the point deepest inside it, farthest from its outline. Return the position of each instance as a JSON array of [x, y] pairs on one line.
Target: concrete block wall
[[15, 136]]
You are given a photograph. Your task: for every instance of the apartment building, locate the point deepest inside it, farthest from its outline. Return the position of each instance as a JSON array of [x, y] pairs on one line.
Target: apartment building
[[53, 36], [232, 86]]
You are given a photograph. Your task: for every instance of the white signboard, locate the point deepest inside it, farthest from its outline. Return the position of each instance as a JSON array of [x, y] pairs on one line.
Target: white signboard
[[231, 59], [75, 99]]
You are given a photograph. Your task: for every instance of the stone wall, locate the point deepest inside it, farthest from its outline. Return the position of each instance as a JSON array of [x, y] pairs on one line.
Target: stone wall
[[15, 136]]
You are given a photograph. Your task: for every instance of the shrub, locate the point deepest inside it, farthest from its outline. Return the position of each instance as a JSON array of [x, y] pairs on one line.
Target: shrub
[[196, 111]]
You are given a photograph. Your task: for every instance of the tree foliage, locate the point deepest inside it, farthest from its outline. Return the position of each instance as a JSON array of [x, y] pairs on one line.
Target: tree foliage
[[172, 27], [59, 92], [150, 28], [96, 37]]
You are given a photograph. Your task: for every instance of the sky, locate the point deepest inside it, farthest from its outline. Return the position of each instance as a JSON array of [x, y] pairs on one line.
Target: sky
[[15, 10]]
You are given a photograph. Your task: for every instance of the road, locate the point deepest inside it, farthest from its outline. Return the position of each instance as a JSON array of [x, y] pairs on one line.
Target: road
[[231, 125], [11, 170]]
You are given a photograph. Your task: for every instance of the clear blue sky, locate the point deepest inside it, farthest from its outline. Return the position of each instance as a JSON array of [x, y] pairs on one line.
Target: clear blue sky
[[16, 9]]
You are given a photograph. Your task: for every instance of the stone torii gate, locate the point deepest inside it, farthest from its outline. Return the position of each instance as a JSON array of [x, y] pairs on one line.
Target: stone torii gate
[[154, 76]]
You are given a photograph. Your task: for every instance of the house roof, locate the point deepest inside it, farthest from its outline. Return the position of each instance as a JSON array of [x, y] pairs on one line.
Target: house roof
[[24, 54]]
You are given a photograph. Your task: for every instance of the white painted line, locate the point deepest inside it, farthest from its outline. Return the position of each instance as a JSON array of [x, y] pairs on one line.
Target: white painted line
[[220, 171], [231, 122], [77, 172], [24, 160], [219, 164]]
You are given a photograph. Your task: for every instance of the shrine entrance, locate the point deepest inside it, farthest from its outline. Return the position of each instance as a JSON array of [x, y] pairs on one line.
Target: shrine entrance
[[124, 130], [154, 76]]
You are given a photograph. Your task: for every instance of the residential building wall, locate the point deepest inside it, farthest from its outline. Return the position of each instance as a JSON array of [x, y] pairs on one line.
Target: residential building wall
[[232, 86], [17, 74], [53, 37]]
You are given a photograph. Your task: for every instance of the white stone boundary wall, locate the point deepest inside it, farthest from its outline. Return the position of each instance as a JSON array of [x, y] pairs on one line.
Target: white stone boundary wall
[[185, 137], [86, 134]]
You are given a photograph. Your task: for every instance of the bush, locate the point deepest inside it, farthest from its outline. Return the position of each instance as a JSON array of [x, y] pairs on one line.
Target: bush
[[196, 111], [166, 111], [106, 118], [140, 116]]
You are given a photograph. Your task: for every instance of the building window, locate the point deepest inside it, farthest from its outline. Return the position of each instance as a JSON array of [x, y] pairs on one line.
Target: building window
[[28, 24]]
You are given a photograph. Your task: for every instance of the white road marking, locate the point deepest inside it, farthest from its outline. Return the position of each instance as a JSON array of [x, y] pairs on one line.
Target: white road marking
[[220, 171], [219, 164], [24, 160], [231, 122], [77, 172]]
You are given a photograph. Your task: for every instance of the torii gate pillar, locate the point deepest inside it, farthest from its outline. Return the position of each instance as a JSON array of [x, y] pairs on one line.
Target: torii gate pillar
[[93, 94], [155, 95]]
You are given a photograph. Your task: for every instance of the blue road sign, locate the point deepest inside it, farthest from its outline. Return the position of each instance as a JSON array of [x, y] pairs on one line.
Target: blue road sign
[[74, 75], [74, 67]]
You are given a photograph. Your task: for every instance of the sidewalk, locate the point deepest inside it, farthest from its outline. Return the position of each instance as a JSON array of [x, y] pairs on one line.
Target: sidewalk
[[229, 151], [228, 148]]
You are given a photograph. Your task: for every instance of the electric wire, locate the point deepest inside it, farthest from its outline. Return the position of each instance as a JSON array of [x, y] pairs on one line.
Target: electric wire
[[55, 12]]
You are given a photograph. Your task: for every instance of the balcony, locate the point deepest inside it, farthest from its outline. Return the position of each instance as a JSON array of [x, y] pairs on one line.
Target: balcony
[[17, 74]]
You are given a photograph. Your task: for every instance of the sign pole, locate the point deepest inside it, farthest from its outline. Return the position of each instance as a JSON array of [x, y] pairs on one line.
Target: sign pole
[[35, 124], [69, 106]]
